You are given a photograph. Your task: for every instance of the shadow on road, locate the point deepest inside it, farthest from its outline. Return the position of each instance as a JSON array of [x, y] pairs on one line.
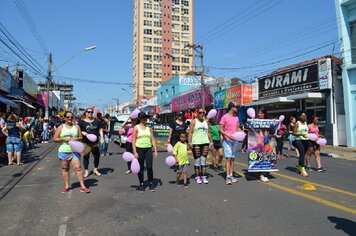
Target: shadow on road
[[348, 226], [292, 169], [105, 171]]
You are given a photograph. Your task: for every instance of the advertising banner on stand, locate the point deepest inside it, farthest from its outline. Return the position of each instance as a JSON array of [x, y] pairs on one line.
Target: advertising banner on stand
[[160, 130], [261, 145], [239, 94], [190, 101]]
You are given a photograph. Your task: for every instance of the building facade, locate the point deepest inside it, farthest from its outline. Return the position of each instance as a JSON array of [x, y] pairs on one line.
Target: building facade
[[161, 31], [346, 20]]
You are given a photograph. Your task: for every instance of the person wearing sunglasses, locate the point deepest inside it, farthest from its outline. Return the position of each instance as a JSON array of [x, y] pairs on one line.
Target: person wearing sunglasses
[[199, 139], [176, 128], [89, 125], [65, 133]]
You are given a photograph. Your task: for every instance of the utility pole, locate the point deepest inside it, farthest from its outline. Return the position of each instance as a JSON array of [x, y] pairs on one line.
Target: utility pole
[[48, 82], [199, 49], [117, 105]]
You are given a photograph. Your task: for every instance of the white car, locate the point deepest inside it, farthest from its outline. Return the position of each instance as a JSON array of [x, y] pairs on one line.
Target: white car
[[118, 133]]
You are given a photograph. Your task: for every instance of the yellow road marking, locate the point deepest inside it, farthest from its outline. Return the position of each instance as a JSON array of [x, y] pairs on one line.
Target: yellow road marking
[[305, 181], [310, 197]]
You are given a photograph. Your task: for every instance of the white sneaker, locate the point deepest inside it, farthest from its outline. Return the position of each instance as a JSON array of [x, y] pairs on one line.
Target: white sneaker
[[204, 179], [198, 180], [264, 179], [228, 181], [233, 179]]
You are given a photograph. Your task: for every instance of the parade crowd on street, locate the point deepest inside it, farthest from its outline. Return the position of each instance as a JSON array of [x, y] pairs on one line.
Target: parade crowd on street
[[197, 131]]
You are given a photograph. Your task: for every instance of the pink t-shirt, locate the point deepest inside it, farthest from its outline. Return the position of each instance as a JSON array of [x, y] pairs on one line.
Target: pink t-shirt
[[129, 135], [229, 123], [313, 130]]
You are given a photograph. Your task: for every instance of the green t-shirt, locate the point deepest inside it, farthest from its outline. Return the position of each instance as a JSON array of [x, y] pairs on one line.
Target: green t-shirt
[[180, 150], [215, 132]]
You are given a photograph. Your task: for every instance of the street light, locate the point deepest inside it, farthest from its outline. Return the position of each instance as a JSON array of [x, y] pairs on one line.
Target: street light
[[49, 73]]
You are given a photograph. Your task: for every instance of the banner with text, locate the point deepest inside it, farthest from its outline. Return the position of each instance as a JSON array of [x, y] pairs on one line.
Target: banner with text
[[190, 101], [261, 145], [240, 95]]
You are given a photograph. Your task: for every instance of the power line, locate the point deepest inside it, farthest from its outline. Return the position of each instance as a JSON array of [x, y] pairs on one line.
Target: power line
[[30, 23]]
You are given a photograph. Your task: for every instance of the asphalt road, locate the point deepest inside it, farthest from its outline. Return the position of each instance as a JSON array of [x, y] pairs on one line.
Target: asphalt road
[[31, 202]]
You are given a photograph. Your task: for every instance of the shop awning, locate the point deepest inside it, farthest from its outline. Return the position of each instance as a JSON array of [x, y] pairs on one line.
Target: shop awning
[[306, 96], [27, 104], [270, 101], [9, 102]]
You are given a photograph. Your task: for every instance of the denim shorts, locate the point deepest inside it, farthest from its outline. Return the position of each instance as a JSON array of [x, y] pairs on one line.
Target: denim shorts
[[13, 144], [67, 156], [182, 168], [230, 148]]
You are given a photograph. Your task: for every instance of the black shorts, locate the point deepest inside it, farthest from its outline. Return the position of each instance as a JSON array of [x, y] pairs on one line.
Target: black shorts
[[217, 144], [315, 145]]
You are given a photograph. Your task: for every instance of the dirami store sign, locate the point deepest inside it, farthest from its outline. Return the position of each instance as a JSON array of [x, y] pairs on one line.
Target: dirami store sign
[[190, 101], [240, 95], [289, 82]]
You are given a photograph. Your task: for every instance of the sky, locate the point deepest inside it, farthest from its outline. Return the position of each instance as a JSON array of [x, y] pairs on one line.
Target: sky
[[241, 38]]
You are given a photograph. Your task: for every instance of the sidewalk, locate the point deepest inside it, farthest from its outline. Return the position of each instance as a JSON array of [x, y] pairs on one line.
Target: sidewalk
[[339, 152]]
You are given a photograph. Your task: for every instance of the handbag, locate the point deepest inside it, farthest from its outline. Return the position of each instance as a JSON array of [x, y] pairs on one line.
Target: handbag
[[291, 137]]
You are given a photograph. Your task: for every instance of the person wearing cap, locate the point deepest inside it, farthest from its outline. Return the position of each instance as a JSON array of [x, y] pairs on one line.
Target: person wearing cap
[[142, 143], [229, 124], [176, 128], [89, 125], [199, 139]]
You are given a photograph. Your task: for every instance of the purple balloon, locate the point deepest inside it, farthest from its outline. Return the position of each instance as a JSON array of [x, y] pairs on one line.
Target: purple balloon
[[281, 118], [134, 114], [212, 113], [170, 160], [91, 137], [170, 148], [135, 166], [128, 156], [321, 141], [312, 137], [251, 113], [239, 136], [76, 146]]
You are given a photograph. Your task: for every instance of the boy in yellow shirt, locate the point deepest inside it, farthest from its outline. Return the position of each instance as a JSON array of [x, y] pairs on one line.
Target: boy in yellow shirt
[[180, 152]]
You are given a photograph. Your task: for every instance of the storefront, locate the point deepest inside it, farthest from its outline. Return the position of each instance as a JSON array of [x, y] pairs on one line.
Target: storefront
[[313, 87]]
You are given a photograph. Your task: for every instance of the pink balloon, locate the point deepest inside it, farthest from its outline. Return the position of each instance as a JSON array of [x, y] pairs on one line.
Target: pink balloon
[[321, 141], [170, 148], [134, 114], [76, 146], [170, 160], [212, 113], [312, 137], [281, 118], [135, 166], [239, 136], [251, 113], [91, 137], [128, 156]]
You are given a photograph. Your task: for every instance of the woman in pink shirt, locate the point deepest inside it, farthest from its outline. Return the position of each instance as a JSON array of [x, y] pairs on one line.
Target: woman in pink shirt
[[129, 127], [314, 129]]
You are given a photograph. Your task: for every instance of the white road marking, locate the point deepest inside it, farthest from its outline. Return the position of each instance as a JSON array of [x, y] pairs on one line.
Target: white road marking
[[63, 227]]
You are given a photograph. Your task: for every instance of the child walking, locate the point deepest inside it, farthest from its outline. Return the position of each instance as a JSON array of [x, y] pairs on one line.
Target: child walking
[[180, 152]]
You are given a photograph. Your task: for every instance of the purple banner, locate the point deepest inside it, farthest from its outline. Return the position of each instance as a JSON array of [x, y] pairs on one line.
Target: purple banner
[[190, 101]]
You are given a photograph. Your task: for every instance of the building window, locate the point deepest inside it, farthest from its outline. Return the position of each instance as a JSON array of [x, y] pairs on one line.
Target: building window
[[176, 18], [147, 48], [157, 15], [185, 3], [185, 35], [157, 49], [147, 74], [147, 5], [185, 68], [158, 32], [175, 26], [185, 60], [147, 57], [147, 83], [157, 57], [147, 66], [185, 19], [147, 92], [157, 40], [175, 10], [176, 68], [185, 11], [147, 31], [353, 41], [147, 23], [175, 2], [158, 23], [157, 7], [185, 27], [147, 14], [147, 40], [176, 51], [157, 66]]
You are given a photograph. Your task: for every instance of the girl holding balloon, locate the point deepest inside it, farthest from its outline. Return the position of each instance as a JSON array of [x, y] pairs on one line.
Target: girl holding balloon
[[66, 134], [180, 152], [314, 129], [129, 127]]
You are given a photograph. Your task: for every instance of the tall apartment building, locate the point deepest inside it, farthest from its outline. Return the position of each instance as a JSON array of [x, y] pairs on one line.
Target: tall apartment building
[[161, 31]]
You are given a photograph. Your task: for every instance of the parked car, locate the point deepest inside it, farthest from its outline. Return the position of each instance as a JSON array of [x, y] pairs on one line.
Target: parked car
[[118, 133]]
